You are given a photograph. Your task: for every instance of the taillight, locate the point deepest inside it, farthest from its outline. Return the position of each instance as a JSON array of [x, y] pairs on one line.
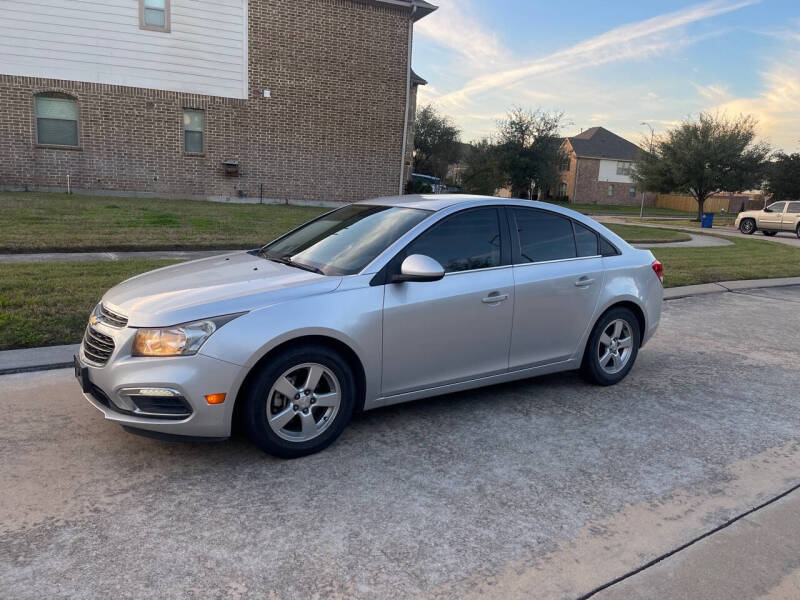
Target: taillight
[[658, 269]]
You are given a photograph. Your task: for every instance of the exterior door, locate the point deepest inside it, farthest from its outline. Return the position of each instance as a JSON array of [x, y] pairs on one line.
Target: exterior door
[[791, 216], [772, 220], [458, 328], [558, 275]]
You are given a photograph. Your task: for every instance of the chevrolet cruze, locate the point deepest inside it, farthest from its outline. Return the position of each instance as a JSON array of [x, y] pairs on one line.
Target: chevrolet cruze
[[371, 304]]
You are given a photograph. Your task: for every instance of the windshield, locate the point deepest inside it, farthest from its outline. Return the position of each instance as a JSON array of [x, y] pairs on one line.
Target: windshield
[[346, 240]]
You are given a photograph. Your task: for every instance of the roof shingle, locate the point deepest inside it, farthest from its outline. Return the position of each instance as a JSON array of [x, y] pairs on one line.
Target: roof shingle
[[598, 142]]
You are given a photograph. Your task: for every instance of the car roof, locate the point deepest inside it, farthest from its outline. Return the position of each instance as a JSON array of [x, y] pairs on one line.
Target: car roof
[[439, 202]]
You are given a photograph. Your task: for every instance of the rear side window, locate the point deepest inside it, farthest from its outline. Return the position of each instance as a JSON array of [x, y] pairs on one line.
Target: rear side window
[[794, 207], [586, 241], [544, 236], [463, 242], [606, 249]]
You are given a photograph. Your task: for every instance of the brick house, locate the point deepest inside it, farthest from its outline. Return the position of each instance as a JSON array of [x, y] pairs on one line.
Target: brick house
[[597, 169], [276, 99]]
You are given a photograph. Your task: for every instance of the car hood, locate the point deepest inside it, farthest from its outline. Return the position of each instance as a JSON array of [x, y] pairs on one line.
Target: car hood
[[210, 287], [749, 213]]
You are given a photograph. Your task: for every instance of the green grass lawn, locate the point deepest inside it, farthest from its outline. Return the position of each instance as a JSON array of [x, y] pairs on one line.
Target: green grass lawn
[[636, 234], [718, 222], [47, 304], [613, 209], [34, 222], [44, 304], [745, 259]]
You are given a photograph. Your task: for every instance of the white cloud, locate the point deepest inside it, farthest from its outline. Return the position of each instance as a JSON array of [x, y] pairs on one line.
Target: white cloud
[[632, 41]]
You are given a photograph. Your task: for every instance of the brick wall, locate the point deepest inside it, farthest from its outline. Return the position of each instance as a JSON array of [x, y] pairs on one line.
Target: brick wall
[[331, 131], [583, 186]]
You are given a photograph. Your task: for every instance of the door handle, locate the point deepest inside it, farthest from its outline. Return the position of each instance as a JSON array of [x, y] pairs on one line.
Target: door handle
[[495, 298], [584, 282]]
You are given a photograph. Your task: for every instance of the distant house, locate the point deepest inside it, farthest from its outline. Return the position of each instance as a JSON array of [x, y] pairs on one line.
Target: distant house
[[597, 169]]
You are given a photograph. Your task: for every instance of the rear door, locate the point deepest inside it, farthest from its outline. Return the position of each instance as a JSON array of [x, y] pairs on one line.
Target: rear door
[[791, 216], [558, 274]]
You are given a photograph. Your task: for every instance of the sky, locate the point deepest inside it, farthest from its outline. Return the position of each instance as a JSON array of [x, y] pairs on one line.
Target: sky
[[614, 64]]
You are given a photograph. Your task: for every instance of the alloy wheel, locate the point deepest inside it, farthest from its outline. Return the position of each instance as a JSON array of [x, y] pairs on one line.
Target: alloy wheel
[[303, 402], [615, 346]]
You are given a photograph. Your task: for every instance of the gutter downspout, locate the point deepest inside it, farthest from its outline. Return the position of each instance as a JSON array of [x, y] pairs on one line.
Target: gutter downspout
[[408, 99]]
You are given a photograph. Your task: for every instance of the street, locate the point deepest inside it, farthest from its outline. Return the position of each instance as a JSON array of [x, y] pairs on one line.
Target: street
[[546, 488]]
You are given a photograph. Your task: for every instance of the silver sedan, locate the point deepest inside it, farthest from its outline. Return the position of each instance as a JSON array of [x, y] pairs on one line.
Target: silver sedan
[[375, 303]]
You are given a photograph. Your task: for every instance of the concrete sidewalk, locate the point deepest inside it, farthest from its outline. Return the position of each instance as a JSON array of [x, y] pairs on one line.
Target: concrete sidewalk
[[56, 357], [757, 556]]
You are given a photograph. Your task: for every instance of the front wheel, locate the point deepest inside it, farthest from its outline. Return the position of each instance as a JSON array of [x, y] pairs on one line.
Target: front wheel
[[612, 347], [798, 232], [747, 226], [300, 402]]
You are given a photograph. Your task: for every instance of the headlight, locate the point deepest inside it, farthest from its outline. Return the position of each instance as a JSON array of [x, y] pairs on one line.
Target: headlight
[[180, 340]]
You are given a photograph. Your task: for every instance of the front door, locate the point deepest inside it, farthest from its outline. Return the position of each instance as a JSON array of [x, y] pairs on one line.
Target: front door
[[773, 220], [559, 274], [458, 328]]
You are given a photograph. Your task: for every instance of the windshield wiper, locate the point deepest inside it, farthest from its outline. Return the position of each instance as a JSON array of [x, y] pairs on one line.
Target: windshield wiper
[[287, 260]]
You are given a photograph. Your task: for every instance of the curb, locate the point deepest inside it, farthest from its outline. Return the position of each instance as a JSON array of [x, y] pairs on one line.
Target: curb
[[26, 361]]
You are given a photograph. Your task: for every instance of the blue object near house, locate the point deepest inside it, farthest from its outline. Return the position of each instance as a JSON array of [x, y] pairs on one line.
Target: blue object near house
[[707, 220]]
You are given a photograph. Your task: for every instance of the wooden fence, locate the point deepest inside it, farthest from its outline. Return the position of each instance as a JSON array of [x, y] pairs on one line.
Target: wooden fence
[[714, 204]]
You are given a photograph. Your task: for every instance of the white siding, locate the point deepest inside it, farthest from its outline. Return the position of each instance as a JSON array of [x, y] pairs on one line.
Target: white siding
[[608, 172], [100, 41]]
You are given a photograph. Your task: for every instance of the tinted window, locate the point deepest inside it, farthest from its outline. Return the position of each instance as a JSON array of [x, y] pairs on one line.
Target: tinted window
[[466, 241], [777, 207], [544, 236], [585, 240], [794, 207], [346, 240], [606, 249]]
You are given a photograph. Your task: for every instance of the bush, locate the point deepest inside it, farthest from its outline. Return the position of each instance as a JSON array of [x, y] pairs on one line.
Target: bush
[[418, 187]]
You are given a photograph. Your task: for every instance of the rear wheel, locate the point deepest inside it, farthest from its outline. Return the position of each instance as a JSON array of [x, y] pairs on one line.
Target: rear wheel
[[612, 347], [747, 226], [300, 402], [798, 231], [769, 233]]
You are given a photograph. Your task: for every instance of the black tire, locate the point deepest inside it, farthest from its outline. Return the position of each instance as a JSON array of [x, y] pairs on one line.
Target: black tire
[[798, 232], [254, 413], [592, 369], [769, 233], [748, 226]]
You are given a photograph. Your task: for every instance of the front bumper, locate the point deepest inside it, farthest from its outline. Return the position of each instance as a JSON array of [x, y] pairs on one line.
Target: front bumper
[[191, 377]]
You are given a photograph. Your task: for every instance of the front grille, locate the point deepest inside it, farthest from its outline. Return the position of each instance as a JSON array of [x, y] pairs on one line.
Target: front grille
[[112, 318], [97, 347]]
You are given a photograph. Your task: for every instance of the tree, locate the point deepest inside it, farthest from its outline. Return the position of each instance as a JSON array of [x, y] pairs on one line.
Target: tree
[[481, 174], [783, 177], [437, 143], [703, 157], [528, 151]]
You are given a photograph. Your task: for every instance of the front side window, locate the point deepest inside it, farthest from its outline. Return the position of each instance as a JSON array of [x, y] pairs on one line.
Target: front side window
[[794, 207], [154, 15], [544, 236], [56, 120], [193, 128], [777, 207], [463, 242], [346, 240], [624, 168]]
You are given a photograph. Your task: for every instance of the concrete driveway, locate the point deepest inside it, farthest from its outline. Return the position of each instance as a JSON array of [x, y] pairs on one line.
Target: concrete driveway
[[547, 488]]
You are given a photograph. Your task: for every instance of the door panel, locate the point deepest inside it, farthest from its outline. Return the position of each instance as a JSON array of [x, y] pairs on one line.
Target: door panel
[[445, 331], [772, 220], [554, 303], [791, 216]]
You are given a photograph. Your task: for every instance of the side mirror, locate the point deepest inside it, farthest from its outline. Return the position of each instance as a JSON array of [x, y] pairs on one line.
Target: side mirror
[[767, 209], [419, 267]]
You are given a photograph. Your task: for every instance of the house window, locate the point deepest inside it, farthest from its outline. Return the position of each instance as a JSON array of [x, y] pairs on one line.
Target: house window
[[624, 168], [610, 190], [562, 189], [154, 15], [56, 120], [563, 163], [193, 127], [632, 192]]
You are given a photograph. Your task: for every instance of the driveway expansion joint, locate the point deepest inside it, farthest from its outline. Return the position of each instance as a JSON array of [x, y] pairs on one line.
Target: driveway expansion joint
[[688, 544]]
